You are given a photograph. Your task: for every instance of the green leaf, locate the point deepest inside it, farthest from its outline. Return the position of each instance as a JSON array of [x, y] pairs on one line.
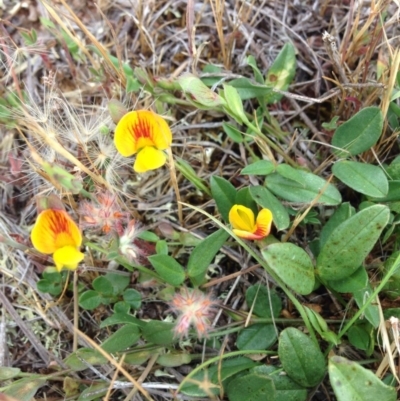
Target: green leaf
[[286, 388], [301, 358], [248, 89], [111, 284], [230, 367], [168, 268], [133, 298], [24, 389], [75, 360], [371, 313], [321, 326], [393, 170], [259, 336], [332, 125], [103, 286], [224, 194], [393, 193], [360, 336], [234, 105], [251, 61], [293, 266], [158, 332], [30, 37], [357, 281], [132, 84], [161, 247], [260, 167], [93, 392], [174, 359], [282, 72], [360, 133], [122, 339], [348, 246], [120, 318], [263, 301], [244, 197], [122, 307], [251, 387], [290, 172], [47, 23], [235, 134], [351, 382], [392, 287], [216, 374], [364, 178], [138, 356], [7, 373], [148, 236], [203, 254], [212, 69], [198, 92], [303, 187], [342, 213], [90, 300], [52, 283], [267, 200]]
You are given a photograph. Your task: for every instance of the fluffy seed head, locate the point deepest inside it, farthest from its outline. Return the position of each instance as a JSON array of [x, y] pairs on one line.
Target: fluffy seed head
[[194, 308]]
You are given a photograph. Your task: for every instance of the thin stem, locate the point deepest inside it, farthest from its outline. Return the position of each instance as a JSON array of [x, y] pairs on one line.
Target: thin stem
[[76, 312], [122, 262], [371, 298]]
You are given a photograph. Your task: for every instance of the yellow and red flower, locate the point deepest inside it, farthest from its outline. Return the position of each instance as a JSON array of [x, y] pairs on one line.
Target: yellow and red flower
[[245, 225], [56, 233], [145, 133]]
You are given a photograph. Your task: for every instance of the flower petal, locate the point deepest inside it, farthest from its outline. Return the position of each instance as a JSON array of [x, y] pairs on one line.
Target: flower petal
[[163, 135], [149, 158], [54, 229], [242, 218], [67, 257], [263, 223], [141, 128], [247, 234]]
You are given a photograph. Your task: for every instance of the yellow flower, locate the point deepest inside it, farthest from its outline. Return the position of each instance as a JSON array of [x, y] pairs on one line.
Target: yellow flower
[[56, 233], [145, 133], [245, 226]]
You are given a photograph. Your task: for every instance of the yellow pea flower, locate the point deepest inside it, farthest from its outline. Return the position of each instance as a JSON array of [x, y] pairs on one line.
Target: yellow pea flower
[[145, 133], [244, 224], [56, 233]]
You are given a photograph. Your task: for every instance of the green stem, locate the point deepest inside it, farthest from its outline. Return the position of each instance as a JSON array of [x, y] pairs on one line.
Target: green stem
[[123, 262], [271, 144], [219, 358], [378, 289]]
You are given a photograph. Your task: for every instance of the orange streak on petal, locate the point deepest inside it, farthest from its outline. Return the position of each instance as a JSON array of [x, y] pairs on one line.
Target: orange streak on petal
[[141, 128], [247, 235], [125, 136], [54, 229]]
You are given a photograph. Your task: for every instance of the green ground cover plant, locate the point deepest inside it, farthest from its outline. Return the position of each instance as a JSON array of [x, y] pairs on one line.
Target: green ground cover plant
[[181, 219]]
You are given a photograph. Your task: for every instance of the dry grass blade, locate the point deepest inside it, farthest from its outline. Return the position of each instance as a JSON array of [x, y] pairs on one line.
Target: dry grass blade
[[117, 366], [82, 46]]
